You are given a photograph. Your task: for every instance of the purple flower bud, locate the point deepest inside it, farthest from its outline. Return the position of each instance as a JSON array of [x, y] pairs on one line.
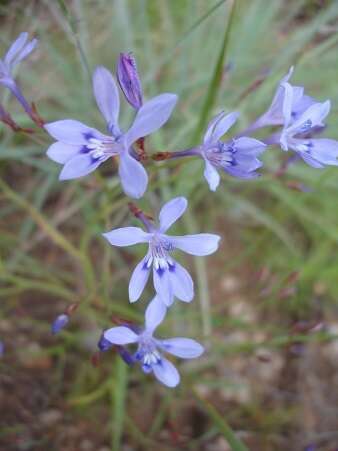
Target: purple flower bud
[[59, 323], [125, 355], [104, 344], [2, 349], [129, 80]]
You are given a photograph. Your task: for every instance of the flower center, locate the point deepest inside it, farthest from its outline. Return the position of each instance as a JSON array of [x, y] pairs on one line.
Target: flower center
[[159, 253], [100, 150], [221, 154], [147, 352]]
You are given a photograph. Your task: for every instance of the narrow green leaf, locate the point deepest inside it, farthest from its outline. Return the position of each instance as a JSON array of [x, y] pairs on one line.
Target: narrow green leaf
[[217, 75], [235, 443], [119, 395]]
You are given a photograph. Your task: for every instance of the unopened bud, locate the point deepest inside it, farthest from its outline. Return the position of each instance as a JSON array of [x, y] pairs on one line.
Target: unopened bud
[[129, 80], [103, 344], [59, 323]]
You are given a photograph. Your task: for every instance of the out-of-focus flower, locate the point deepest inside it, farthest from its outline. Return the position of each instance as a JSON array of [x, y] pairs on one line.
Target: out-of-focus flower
[[2, 349], [81, 149], [274, 115], [149, 348], [59, 323], [315, 152], [129, 80], [17, 52], [170, 278]]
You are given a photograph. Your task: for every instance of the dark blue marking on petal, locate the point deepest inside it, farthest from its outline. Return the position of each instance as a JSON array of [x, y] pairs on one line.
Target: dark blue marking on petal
[[306, 126], [88, 135], [147, 368], [160, 271], [172, 267], [138, 355], [94, 160], [145, 267]]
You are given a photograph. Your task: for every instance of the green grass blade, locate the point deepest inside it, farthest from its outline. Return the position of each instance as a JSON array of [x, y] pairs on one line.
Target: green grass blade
[[216, 77], [119, 395], [235, 443]]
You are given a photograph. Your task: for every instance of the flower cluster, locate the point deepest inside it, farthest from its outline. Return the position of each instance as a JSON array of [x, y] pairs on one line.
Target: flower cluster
[[294, 117]]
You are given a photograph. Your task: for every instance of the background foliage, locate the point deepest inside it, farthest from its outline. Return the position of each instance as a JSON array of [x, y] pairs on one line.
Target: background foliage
[[266, 303]]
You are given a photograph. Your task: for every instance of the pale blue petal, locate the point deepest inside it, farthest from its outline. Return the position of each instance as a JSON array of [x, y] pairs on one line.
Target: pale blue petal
[[274, 114], [107, 96], [223, 125], [249, 146], [211, 126], [120, 335], [246, 163], [325, 151], [284, 140], [72, 132], [134, 178], [287, 103], [25, 52], [127, 236], [186, 348], [155, 314], [181, 283], [79, 166], [166, 373], [199, 244], [316, 114], [138, 280], [15, 48], [301, 105], [151, 116], [241, 174], [288, 75], [171, 212], [62, 152], [311, 161], [211, 175], [162, 285]]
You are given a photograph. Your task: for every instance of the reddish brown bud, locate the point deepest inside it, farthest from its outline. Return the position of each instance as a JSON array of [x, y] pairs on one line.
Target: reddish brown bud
[[72, 308]]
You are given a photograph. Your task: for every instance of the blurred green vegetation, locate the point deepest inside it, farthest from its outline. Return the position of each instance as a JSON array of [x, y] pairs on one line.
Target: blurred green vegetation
[[210, 53]]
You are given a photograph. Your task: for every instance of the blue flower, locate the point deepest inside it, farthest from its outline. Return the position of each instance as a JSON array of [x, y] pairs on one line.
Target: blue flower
[[274, 115], [149, 349], [295, 134], [81, 149], [170, 278], [17, 52], [237, 157]]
